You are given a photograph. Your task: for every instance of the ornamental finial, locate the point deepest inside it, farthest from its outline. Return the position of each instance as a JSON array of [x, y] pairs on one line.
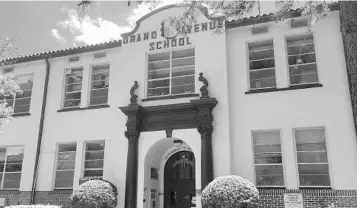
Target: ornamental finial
[[204, 88], [134, 97]]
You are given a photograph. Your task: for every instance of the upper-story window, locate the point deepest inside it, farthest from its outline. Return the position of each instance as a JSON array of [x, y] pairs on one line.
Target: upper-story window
[[100, 55], [10, 167], [94, 160], [73, 59], [268, 158], [21, 101], [73, 87], [312, 157], [171, 73], [261, 65], [99, 85], [302, 59], [66, 158]]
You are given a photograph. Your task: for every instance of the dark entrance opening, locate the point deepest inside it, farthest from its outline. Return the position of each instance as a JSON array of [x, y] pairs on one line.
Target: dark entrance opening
[[179, 180]]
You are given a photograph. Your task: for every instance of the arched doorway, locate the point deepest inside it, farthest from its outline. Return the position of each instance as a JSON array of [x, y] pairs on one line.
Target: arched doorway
[[179, 180]]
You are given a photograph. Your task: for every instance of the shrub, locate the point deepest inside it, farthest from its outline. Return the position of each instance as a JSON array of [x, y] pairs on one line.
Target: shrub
[[95, 194], [33, 206], [229, 192]]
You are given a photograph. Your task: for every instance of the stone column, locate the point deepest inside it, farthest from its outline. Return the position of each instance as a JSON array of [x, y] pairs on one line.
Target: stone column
[[206, 155], [204, 108], [132, 134], [131, 182]]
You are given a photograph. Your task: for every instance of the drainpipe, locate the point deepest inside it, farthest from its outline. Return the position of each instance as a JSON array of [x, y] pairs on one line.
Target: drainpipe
[[40, 133]]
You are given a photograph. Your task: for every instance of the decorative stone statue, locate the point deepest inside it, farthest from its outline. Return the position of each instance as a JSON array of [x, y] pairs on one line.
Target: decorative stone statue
[[204, 88], [134, 97]]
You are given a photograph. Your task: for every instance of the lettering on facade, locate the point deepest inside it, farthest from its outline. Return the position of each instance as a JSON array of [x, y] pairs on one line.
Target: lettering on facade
[[178, 149], [293, 200], [200, 27]]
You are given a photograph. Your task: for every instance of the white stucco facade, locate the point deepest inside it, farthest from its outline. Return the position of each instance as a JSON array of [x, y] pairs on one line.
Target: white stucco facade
[[224, 61]]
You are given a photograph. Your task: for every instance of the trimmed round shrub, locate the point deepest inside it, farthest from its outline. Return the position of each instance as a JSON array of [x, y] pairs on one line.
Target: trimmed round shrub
[[95, 194], [229, 192]]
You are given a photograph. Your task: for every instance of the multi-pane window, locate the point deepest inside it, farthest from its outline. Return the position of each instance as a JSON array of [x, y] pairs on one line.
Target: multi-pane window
[[99, 85], [261, 65], [10, 167], [94, 159], [268, 158], [73, 87], [66, 156], [171, 73], [312, 157], [21, 101], [302, 59]]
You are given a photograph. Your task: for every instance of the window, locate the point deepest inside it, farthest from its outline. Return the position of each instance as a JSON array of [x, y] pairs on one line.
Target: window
[[73, 59], [171, 73], [73, 87], [312, 157], [261, 65], [99, 85], [21, 102], [94, 159], [10, 167], [268, 158], [100, 55], [66, 156], [302, 59]]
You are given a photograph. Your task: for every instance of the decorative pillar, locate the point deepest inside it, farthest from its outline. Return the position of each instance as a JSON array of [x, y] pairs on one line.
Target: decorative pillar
[[204, 108], [132, 134], [206, 155], [131, 182]]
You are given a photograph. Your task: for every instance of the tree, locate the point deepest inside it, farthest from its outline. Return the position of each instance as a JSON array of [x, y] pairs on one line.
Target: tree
[[8, 86]]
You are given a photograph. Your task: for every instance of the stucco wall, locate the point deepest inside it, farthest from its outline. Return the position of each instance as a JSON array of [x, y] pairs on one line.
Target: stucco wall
[[327, 106], [23, 130]]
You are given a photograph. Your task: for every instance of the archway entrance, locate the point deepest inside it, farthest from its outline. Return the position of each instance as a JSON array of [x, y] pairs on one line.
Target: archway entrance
[[179, 180]]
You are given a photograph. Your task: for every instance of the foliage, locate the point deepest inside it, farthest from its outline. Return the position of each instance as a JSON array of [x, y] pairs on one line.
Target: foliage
[[95, 194], [229, 192], [34, 206], [8, 88]]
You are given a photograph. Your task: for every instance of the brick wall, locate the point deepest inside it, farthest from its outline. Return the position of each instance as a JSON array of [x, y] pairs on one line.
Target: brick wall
[[312, 198], [58, 197], [269, 198]]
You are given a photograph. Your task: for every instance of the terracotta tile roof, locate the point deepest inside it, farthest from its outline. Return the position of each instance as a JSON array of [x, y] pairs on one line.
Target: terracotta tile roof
[[62, 52]]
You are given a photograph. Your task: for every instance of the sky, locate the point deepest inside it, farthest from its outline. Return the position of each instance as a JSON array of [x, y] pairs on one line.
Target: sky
[[41, 26]]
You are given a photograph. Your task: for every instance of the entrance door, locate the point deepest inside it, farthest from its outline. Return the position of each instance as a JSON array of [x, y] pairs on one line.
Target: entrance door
[[179, 180]]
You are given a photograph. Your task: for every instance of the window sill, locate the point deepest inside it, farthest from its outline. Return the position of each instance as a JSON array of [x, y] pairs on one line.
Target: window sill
[[274, 89], [63, 189], [271, 187], [21, 114], [170, 97], [9, 190], [87, 108], [316, 187]]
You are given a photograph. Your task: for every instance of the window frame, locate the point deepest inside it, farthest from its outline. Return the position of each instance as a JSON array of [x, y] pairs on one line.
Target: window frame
[[170, 50], [6, 155], [65, 84], [256, 39], [56, 162], [296, 157], [105, 52], [282, 160], [295, 34], [89, 89], [84, 160], [14, 99]]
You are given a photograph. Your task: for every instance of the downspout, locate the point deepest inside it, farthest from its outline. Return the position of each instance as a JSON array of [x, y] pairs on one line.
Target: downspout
[[40, 133]]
